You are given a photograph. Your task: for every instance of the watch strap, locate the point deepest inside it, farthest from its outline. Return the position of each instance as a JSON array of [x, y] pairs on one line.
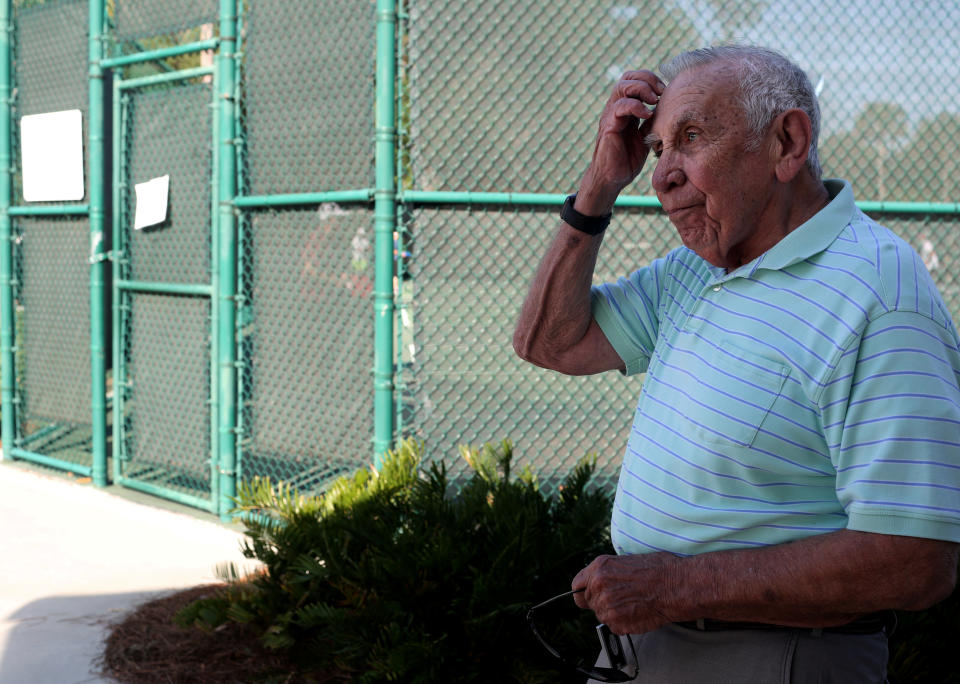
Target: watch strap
[[591, 225]]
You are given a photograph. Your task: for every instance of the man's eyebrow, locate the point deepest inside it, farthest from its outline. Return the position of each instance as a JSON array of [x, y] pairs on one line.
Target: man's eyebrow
[[691, 115]]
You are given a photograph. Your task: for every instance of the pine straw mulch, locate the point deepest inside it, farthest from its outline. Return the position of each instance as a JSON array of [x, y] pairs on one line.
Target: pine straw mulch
[[147, 647]]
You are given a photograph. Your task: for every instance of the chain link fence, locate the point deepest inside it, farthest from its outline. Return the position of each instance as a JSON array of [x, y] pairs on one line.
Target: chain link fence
[[50, 284], [503, 96], [496, 106], [306, 271]]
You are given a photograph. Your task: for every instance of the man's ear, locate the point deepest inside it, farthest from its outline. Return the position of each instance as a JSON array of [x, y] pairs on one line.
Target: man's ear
[[792, 135]]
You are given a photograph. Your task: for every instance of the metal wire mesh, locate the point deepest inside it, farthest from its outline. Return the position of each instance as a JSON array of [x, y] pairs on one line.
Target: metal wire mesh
[[50, 65], [307, 340], [308, 96], [54, 333], [166, 338], [307, 274], [498, 96], [167, 411], [504, 96], [470, 273], [51, 294], [170, 133], [144, 18]]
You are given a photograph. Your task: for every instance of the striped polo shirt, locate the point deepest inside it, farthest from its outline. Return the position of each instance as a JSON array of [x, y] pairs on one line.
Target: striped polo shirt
[[810, 390]]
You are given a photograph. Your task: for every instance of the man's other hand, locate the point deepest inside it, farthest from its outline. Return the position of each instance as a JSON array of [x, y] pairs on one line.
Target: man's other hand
[[624, 591]]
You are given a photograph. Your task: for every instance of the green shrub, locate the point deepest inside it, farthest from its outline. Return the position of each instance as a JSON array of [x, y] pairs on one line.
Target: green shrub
[[387, 577]]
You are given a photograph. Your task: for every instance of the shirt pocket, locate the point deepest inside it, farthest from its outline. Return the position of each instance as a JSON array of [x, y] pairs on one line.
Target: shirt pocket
[[737, 390]]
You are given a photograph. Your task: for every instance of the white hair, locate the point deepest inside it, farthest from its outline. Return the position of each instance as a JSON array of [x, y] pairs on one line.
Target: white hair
[[769, 85]]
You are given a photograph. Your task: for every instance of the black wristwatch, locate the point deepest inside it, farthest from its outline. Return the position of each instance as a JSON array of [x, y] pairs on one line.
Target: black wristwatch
[[591, 225]]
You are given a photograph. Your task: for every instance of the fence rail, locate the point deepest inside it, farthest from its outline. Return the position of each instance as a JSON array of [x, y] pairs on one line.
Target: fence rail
[[358, 194]]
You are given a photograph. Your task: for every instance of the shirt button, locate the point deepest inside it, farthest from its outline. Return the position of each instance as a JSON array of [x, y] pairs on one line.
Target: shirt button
[[716, 288]]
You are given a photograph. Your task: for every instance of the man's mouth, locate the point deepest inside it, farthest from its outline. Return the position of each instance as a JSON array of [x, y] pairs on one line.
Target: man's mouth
[[676, 210]]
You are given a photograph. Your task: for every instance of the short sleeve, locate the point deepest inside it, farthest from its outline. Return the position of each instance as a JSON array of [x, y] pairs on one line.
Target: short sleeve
[[891, 415], [627, 313]]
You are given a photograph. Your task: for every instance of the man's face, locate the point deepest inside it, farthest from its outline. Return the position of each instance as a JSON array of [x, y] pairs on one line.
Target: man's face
[[715, 191]]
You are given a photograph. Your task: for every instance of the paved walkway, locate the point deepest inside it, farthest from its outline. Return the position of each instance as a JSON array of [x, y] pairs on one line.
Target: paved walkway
[[76, 558]]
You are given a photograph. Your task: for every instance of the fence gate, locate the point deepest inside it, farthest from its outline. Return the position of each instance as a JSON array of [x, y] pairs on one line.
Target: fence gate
[[165, 431], [50, 411]]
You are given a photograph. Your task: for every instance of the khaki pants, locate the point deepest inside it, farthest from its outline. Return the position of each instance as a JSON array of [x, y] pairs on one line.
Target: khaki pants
[[680, 655]]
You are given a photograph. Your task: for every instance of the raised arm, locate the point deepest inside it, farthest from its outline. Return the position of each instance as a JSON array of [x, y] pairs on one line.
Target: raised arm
[[556, 329]]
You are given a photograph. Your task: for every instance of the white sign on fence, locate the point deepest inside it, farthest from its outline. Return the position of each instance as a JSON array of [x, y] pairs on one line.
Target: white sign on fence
[[152, 198], [51, 152]]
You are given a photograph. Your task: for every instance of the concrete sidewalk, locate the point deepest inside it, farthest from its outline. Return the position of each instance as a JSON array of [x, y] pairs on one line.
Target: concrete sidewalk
[[76, 558]]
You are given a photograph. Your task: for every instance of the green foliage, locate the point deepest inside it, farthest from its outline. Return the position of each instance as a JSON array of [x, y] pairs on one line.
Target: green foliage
[[389, 577]]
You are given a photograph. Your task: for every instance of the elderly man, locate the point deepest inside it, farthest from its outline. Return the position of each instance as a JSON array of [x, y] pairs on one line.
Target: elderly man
[[793, 470]]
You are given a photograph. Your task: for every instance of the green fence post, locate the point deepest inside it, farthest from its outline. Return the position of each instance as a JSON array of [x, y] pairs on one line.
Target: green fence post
[[118, 271], [384, 223], [98, 362], [7, 360], [227, 256]]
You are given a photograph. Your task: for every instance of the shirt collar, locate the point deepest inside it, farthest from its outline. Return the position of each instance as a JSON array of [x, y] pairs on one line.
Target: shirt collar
[[809, 238]]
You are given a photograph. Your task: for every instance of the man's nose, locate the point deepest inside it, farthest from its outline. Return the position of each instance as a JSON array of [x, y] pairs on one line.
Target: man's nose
[[667, 174]]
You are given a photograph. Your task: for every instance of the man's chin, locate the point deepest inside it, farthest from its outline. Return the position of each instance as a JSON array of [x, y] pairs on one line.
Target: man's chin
[[705, 249]]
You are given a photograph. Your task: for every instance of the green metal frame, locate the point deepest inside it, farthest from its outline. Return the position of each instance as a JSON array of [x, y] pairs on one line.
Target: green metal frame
[[384, 222], [7, 352], [51, 209], [95, 145], [300, 198], [226, 116], [162, 53], [223, 115], [120, 308], [9, 432], [633, 201]]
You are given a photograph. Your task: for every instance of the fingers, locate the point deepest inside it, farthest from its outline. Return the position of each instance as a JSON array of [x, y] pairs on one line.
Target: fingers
[[647, 89], [579, 586], [642, 85], [633, 98], [628, 107], [623, 591]]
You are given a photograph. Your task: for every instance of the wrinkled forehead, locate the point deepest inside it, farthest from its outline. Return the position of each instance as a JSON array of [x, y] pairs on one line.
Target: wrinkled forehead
[[704, 95]]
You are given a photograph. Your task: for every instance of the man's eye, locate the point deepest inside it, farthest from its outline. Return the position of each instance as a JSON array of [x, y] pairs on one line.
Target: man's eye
[[692, 135]]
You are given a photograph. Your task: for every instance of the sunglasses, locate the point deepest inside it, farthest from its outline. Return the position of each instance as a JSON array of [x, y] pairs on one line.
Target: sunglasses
[[610, 643]]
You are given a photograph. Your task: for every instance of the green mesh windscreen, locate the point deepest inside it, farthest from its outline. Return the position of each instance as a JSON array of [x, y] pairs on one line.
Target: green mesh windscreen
[[50, 67], [504, 96], [146, 18], [53, 321], [170, 133], [307, 344], [52, 299], [470, 386], [166, 337], [167, 410], [308, 95]]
